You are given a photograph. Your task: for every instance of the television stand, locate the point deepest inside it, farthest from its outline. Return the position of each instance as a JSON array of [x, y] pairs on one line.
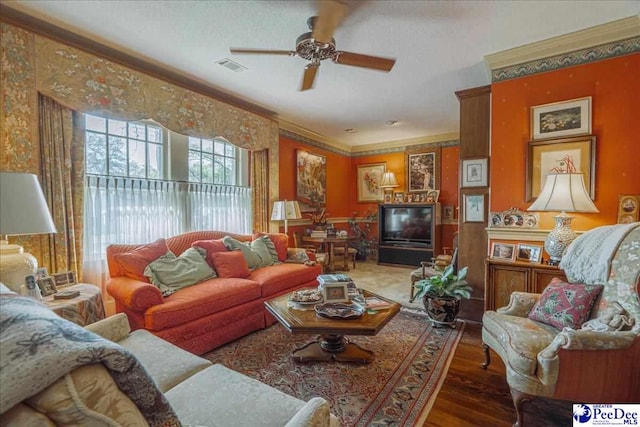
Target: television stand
[[403, 255]]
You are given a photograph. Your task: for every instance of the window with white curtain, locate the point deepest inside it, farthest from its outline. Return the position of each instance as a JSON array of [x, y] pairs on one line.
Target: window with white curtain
[[137, 187]]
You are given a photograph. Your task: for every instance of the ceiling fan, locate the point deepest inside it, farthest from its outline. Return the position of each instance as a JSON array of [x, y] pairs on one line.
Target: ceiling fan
[[318, 45]]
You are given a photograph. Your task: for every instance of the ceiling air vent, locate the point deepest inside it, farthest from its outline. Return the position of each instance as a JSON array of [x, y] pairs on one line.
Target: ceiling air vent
[[233, 66]]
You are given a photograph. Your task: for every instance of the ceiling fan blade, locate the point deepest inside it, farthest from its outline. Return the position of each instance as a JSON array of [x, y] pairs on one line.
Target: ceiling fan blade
[[309, 76], [262, 51], [366, 61], [331, 13]]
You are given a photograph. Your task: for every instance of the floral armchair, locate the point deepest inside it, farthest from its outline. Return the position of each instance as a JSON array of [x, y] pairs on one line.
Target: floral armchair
[[597, 363]]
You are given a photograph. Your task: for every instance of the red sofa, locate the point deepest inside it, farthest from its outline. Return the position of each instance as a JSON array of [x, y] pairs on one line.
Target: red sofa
[[204, 316]]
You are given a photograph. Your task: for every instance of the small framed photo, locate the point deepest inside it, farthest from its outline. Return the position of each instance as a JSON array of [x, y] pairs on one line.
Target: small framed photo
[[388, 197], [474, 207], [409, 198], [47, 286], [64, 279], [475, 172], [432, 196], [41, 273], [335, 292], [628, 208], [561, 119], [398, 197], [447, 212], [529, 253], [503, 251]]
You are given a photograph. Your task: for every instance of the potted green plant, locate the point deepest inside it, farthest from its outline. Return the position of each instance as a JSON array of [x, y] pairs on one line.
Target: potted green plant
[[441, 295]]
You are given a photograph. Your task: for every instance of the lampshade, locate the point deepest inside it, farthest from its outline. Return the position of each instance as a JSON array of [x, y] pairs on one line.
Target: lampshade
[[285, 210], [388, 180], [564, 192], [23, 210]]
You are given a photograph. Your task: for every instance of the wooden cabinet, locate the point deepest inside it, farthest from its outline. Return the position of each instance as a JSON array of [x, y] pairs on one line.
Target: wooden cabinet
[[503, 278]]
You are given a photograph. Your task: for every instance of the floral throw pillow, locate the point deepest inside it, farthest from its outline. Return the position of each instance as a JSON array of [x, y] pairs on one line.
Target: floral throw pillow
[[565, 304]]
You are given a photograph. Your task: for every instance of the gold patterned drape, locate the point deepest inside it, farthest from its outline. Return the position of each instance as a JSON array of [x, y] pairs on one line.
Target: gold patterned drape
[[260, 184], [61, 176]]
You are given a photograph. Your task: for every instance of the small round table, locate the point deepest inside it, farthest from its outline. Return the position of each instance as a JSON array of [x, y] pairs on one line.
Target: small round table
[[84, 309]]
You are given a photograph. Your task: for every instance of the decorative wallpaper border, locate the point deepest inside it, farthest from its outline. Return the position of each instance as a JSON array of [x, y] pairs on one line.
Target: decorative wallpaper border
[[401, 149], [579, 57]]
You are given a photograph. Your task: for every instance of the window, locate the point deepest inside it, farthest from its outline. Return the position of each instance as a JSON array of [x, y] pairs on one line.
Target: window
[[212, 161], [127, 149]]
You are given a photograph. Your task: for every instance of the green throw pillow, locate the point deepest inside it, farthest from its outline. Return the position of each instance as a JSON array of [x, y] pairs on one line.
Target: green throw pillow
[[259, 246], [271, 247], [256, 256], [170, 273]]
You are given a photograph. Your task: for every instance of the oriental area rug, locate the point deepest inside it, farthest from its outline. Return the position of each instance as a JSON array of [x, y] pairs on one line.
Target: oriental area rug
[[397, 388]]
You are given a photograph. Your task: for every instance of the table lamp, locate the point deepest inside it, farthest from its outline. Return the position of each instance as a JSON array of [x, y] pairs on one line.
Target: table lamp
[[23, 211], [285, 210], [388, 182], [564, 192]]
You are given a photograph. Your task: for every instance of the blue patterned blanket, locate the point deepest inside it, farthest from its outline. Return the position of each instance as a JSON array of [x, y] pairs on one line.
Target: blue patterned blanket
[[37, 347]]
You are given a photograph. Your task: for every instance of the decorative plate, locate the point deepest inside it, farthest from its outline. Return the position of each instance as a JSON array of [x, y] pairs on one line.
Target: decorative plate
[[335, 310], [306, 297]]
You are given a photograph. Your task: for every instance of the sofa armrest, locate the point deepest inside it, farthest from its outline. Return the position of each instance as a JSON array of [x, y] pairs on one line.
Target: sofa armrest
[[134, 294], [314, 413], [520, 304], [114, 328]]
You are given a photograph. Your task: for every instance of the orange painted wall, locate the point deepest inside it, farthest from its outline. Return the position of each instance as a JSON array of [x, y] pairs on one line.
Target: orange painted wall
[[614, 86], [342, 195]]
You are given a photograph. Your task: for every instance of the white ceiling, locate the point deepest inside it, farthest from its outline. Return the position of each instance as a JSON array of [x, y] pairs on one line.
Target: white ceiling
[[439, 47]]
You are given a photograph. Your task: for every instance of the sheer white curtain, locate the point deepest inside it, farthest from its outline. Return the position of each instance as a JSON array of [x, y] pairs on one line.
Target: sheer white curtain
[[132, 211], [220, 207]]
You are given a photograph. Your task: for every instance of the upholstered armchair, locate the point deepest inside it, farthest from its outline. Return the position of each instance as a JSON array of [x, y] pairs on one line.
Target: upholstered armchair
[[598, 361]]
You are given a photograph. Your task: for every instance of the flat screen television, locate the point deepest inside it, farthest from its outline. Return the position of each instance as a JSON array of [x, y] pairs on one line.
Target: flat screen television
[[406, 225]]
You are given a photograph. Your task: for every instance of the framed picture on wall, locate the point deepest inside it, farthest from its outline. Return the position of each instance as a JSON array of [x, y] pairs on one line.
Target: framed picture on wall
[[628, 208], [311, 180], [561, 119], [566, 155], [368, 181], [475, 172], [423, 170], [473, 207]]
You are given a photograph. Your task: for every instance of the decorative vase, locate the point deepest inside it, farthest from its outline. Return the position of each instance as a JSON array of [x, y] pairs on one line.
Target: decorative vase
[[442, 310]]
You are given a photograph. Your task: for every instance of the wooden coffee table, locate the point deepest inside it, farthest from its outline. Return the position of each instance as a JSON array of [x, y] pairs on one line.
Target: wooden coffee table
[[332, 343]]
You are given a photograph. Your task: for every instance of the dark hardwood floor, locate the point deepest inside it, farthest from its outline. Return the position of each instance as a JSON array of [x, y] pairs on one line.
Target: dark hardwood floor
[[472, 396]]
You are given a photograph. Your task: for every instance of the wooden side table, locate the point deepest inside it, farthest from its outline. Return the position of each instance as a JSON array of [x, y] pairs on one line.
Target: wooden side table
[[84, 309]]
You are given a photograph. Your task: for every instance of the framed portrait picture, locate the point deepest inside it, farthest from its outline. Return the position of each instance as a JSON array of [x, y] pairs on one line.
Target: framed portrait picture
[[475, 172], [447, 212], [398, 197], [311, 180], [628, 208], [473, 207], [388, 197], [561, 119], [432, 196], [529, 253], [335, 292], [47, 286], [423, 170], [503, 251], [368, 181], [566, 155]]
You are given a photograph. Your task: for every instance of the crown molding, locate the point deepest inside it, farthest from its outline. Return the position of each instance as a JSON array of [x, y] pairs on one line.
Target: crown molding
[[359, 149], [620, 29], [306, 133], [520, 234]]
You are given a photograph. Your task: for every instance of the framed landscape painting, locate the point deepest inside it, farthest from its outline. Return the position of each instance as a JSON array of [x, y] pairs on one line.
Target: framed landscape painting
[[311, 181], [561, 119], [368, 181]]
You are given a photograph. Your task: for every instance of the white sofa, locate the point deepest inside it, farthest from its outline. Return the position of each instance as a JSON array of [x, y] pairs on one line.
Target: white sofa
[[199, 392]]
